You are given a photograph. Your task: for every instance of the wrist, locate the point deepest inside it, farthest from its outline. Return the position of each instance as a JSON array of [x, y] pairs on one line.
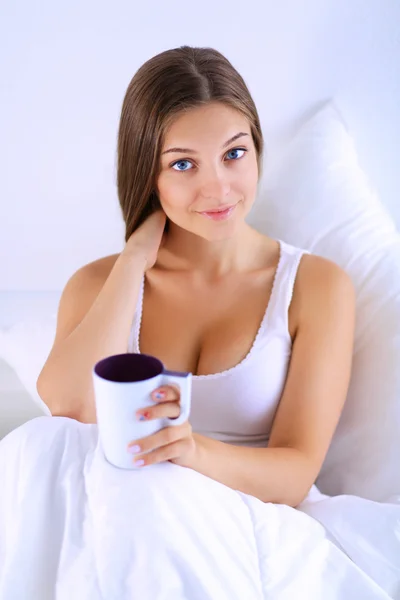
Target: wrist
[[137, 259], [200, 456]]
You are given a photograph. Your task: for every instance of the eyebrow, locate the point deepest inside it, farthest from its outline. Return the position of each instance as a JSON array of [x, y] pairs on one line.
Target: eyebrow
[[232, 139]]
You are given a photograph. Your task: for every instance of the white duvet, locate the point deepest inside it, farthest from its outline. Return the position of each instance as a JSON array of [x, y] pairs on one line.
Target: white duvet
[[72, 527]]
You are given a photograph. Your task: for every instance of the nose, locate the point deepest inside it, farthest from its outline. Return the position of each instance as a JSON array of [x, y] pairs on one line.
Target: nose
[[214, 185]]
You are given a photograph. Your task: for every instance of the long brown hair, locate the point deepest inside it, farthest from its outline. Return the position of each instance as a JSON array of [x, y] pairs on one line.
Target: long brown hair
[[165, 85]]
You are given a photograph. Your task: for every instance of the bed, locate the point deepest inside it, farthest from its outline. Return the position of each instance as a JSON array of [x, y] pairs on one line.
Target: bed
[[71, 525]]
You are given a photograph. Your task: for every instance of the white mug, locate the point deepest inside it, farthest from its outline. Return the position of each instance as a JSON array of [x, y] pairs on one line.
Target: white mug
[[123, 384]]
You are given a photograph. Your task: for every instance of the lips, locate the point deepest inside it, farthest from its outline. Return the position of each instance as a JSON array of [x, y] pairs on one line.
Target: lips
[[219, 209], [219, 214]]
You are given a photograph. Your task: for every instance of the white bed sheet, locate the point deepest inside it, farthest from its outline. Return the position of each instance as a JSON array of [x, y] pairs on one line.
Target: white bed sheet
[[73, 526]]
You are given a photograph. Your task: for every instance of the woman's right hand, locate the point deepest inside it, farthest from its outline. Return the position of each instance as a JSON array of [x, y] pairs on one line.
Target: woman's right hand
[[146, 240]]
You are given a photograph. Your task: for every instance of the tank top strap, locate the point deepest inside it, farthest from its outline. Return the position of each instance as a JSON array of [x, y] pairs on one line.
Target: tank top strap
[[277, 314]]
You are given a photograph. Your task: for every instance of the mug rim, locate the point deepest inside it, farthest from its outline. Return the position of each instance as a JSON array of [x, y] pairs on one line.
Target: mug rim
[[100, 362]]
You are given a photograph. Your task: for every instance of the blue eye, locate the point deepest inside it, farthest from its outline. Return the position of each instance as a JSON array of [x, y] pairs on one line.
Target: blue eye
[[237, 150], [182, 161]]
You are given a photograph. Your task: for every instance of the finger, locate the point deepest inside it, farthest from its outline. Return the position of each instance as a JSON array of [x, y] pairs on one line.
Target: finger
[[167, 435], [162, 454], [169, 410], [166, 393]]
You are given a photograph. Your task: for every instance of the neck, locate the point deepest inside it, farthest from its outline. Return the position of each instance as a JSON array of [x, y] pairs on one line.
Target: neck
[[186, 251]]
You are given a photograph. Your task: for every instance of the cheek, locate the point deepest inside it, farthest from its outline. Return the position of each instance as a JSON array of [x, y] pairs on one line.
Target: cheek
[[247, 180], [173, 193]]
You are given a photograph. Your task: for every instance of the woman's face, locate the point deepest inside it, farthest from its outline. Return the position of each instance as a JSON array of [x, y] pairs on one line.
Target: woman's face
[[204, 170]]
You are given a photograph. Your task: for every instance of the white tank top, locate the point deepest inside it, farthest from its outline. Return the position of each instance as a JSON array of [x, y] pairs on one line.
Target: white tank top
[[238, 405]]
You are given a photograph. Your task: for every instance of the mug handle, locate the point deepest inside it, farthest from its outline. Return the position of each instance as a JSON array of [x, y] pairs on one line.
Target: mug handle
[[184, 382]]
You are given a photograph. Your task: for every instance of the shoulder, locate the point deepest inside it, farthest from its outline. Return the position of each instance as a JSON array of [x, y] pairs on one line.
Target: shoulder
[[96, 271], [85, 284], [80, 292], [320, 275], [322, 290], [101, 266]]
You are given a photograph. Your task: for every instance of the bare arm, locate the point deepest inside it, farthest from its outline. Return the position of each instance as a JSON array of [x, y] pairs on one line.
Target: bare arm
[[94, 321]]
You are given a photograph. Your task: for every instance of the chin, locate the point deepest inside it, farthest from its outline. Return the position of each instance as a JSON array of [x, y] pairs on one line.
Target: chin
[[217, 232]]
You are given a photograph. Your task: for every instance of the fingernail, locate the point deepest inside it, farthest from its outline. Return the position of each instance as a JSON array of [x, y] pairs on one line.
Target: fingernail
[[139, 463], [143, 416], [159, 394], [134, 449]]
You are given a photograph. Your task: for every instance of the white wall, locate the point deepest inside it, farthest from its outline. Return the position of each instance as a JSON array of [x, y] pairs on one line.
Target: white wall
[[66, 66]]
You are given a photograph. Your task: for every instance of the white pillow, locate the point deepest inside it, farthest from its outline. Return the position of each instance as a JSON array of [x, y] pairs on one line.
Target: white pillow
[[25, 346], [317, 197]]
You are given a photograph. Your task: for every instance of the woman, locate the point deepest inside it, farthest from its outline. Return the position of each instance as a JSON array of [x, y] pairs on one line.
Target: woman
[[267, 331], [265, 328]]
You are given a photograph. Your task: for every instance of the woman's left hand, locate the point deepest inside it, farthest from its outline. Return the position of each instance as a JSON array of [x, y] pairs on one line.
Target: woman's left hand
[[175, 443]]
